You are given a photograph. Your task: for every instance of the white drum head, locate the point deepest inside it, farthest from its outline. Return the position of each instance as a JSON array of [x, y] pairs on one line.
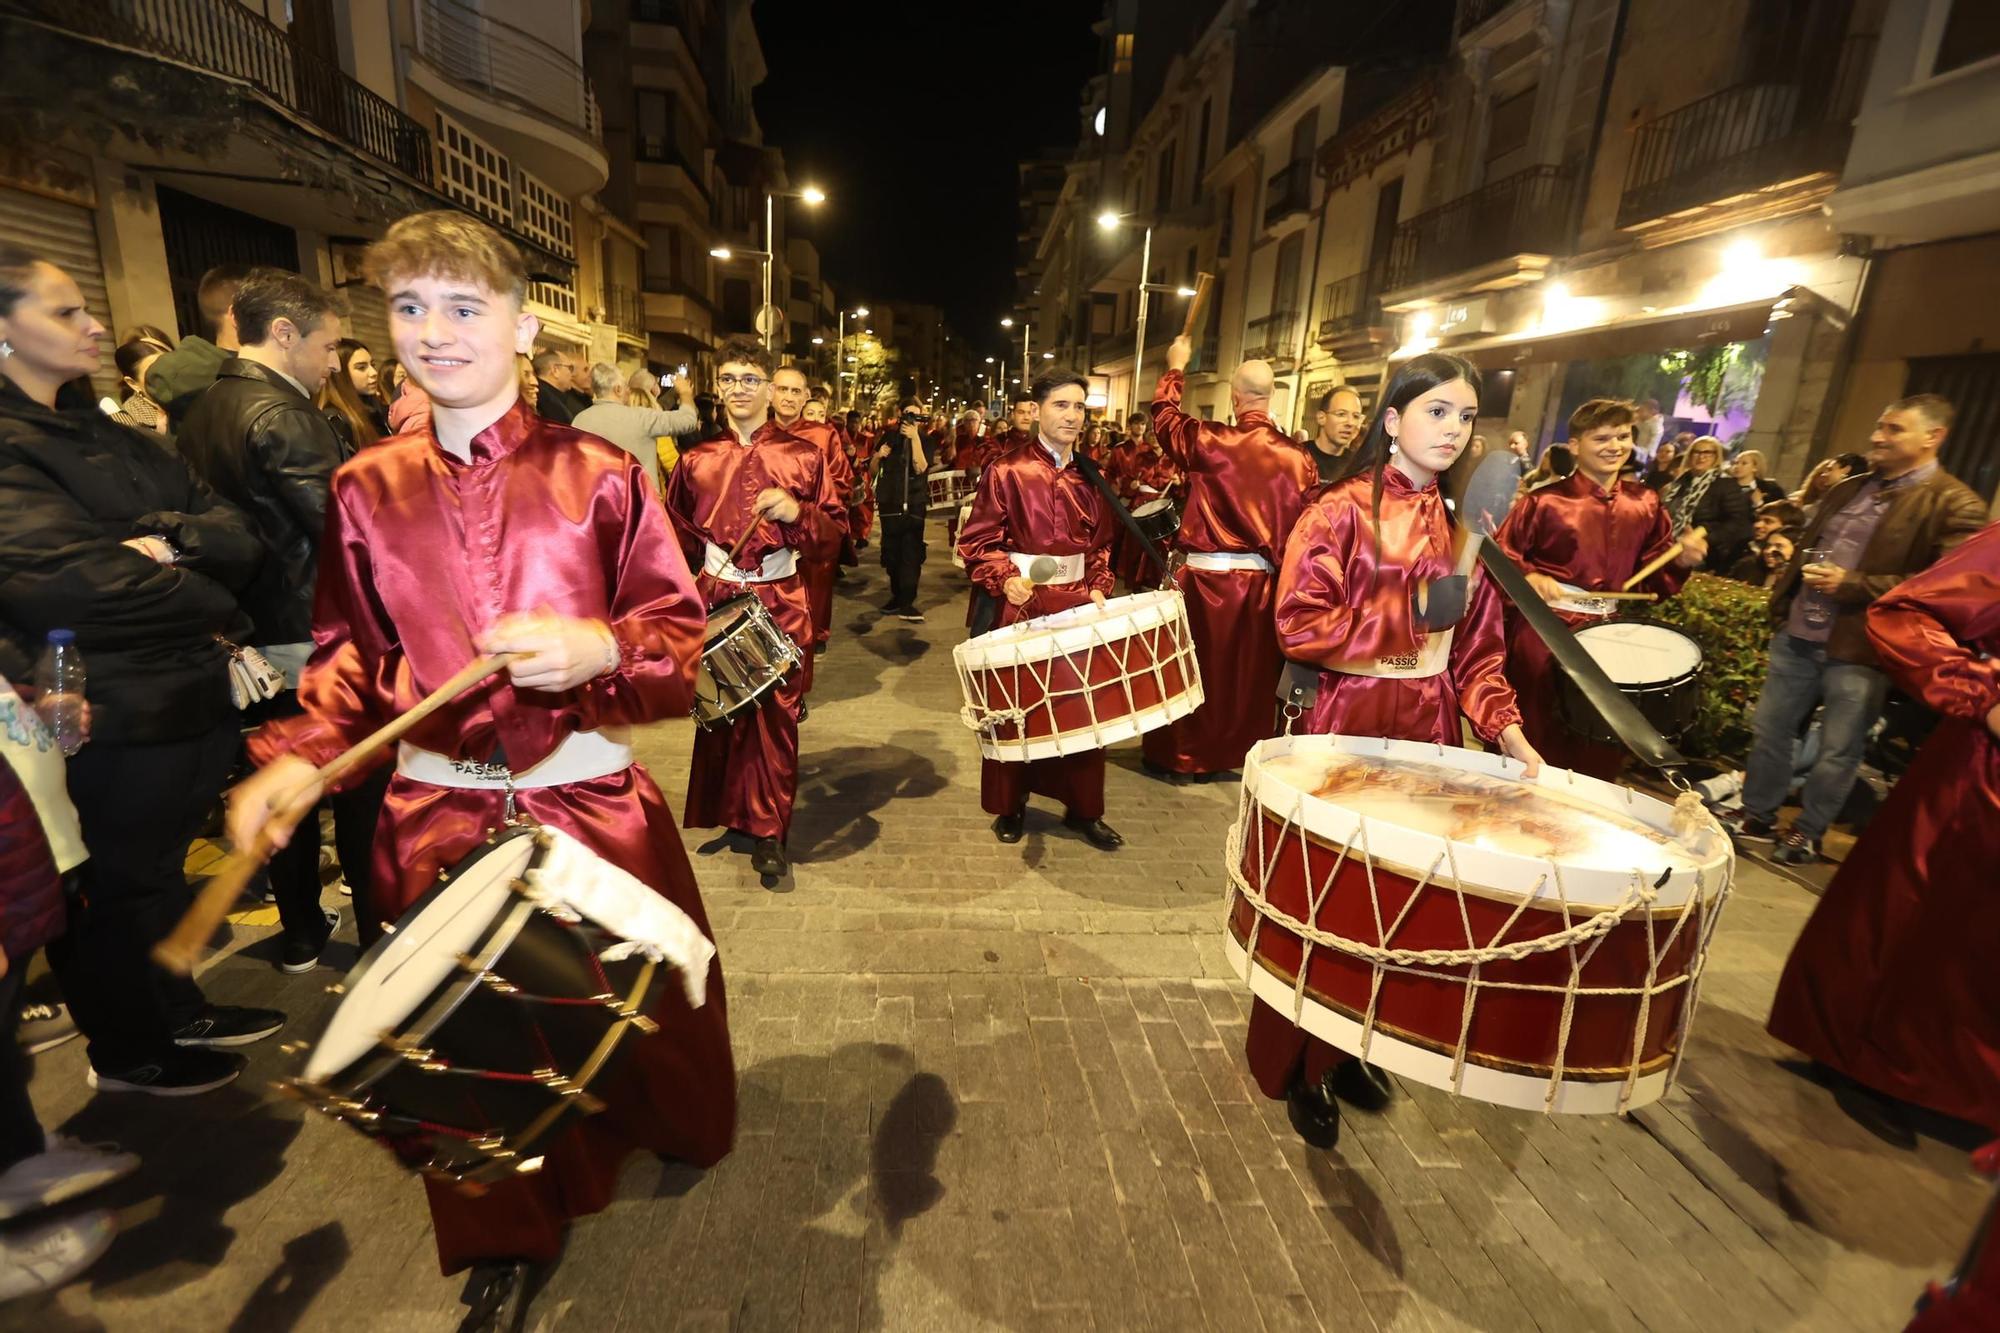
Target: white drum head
[[414, 961], [1634, 653], [1158, 506]]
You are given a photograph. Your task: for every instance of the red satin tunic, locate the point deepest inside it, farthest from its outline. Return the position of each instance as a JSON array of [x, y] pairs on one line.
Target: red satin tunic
[[421, 553], [1893, 979], [1027, 504], [1246, 487], [1343, 597], [1577, 532], [832, 526], [745, 776]]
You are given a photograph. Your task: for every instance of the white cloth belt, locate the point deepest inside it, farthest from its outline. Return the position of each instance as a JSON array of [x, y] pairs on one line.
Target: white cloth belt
[[1225, 560], [583, 755], [1430, 659], [779, 564], [1069, 568]]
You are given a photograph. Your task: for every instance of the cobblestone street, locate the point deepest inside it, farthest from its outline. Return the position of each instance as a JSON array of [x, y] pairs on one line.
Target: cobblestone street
[[990, 1087]]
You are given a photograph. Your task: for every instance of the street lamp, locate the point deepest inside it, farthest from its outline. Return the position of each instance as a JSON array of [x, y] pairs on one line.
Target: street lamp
[[1027, 339], [1111, 221], [812, 196], [860, 312]]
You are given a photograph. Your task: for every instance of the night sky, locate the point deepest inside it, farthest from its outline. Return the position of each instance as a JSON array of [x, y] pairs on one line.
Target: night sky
[[913, 118]]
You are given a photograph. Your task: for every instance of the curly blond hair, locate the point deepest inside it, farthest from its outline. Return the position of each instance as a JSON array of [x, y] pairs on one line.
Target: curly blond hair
[[447, 244]]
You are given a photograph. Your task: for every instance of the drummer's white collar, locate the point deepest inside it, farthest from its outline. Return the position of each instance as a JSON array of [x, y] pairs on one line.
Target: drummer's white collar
[[1056, 452]]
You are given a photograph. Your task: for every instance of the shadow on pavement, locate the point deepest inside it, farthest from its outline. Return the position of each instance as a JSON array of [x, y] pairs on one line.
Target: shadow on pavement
[[309, 1263], [841, 792]]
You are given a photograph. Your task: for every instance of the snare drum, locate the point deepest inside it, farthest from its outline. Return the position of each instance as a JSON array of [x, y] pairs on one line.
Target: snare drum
[[1159, 519], [964, 517], [949, 490], [1532, 944], [475, 1030], [1657, 666], [1080, 679], [743, 657]]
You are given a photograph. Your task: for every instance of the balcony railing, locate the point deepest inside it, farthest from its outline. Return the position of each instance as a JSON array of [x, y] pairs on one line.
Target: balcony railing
[[624, 307], [1288, 191], [1272, 338], [495, 56], [1746, 137], [1355, 302], [555, 296], [223, 37], [1526, 213]]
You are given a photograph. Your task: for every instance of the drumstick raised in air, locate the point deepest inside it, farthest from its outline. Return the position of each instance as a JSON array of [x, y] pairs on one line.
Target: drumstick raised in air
[[182, 947], [1659, 561], [1202, 283]]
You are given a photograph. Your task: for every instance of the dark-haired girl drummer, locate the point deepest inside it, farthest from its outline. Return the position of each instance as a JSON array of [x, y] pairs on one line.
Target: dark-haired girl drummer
[[1404, 647]]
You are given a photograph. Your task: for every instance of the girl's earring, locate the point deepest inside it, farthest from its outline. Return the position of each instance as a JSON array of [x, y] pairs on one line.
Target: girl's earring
[[6, 348]]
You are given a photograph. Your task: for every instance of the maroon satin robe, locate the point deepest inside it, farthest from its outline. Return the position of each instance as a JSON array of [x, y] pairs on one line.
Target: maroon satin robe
[[1575, 531], [1893, 980], [1027, 504], [1342, 598], [832, 528], [1246, 487], [421, 553], [745, 776]]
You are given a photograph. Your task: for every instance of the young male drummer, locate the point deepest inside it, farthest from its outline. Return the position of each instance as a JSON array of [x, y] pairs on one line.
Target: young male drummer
[[752, 476], [1592, 530], [494, 530], [1247, 486], [1034, 502], [819, 561]]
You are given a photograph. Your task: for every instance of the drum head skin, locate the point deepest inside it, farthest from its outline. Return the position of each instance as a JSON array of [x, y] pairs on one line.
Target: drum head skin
[[402, 971], [724, 617], [1637, 653]]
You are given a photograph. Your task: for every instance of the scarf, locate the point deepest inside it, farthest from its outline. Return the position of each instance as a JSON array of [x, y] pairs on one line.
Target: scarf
[[1690, 489]]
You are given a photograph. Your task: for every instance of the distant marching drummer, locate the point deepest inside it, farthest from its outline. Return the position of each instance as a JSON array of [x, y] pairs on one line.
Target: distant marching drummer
[[1591, 531], [1033, 502], [1405, 647]]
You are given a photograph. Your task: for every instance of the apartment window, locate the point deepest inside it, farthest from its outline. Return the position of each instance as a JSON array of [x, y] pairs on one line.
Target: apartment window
[[1285, 281], [473, 172], [545, 217], [1121, 53], [1971, 34], [1164, 199], [1222, 237], [1201, 141], [1509, 120], [654, 122], [801, 290]]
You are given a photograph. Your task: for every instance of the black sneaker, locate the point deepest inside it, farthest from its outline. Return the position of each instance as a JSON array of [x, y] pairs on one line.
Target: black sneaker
[[911, 614], [1796, 849], [44, 1027], [229, 1025], [303, 955], [1746, 827], [181, 1073]]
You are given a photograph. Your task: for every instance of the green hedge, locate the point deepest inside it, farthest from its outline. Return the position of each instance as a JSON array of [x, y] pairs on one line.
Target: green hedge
[[1731, 621]]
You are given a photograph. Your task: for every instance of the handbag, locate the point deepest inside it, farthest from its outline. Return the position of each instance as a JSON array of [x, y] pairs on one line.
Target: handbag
[[252, 678]]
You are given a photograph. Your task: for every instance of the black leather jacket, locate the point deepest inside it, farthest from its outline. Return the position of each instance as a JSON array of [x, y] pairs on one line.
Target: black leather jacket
[[266, 449], [900, 488]]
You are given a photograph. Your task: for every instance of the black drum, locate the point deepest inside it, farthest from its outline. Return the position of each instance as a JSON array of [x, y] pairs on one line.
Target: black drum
[[472, 1033], [1160, 520], [1656, 666]]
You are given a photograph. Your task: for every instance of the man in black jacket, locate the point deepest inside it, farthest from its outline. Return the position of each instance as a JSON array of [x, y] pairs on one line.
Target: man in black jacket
[[257, 439], [553, 399], [903, 499]]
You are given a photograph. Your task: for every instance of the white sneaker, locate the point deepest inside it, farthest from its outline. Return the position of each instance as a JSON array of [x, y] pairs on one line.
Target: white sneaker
[[59, 1173], [38, 1259]]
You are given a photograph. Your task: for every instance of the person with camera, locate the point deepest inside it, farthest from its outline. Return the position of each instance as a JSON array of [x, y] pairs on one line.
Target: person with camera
[[901, 499]]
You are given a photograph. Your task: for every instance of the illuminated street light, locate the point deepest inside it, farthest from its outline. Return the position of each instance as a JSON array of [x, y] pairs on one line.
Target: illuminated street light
[[813, 196], [861, 312], [1007, 321], [723, 253], [989, 360], [1108, 220], [819, 342]]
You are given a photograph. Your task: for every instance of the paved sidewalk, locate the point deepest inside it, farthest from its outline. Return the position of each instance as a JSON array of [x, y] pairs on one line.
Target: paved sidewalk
[[987, 1087]]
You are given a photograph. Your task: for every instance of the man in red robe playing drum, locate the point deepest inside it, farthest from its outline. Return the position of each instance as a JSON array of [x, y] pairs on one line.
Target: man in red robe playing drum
[[1033, 503], [494, 530], [821, 558], [755, 489], [1247, 485], [1589, 531]]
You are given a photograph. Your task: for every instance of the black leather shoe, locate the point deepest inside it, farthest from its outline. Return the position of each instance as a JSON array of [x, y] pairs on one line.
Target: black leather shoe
[[1008, 828], [497, 1295], [1096, 832], [1314, 1112], [802, 710], [1879, 1115], [768, 858], [1361, 1085]]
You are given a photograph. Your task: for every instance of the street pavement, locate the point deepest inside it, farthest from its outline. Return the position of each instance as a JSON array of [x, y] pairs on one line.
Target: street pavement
[[988, 1087]]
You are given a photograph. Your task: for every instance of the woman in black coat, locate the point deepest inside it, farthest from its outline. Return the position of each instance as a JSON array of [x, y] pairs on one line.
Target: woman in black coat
[[1706, 496], [105, 533]]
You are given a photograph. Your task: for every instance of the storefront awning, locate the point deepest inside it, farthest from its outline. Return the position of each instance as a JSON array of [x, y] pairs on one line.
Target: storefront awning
[[1744, 321]]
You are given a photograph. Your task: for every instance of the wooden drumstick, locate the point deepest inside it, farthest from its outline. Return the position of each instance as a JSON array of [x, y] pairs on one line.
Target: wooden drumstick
[[755, 523], [1659, 562], [181, 949], [1202, 282]]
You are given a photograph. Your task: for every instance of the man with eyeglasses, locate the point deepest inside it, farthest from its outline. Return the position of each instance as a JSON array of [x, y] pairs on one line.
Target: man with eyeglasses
[[1339, 420], [747, 500]]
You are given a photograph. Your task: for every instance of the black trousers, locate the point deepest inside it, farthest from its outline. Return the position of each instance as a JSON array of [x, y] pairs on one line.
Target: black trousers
[[903, 556], [140, 807], [20, 1132], [295, 868], [356, 812]]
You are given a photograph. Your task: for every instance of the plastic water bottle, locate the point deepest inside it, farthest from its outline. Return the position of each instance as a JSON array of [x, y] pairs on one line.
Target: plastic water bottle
[[60, 681]]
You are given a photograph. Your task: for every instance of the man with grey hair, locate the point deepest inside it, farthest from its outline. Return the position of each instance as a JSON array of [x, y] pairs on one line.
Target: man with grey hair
[[614, 418], [552, 378], [1246, 485]]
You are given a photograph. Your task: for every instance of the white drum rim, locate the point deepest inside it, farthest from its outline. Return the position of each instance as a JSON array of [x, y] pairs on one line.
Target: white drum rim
[[1609, 629], [1070, 630], [1420, 1064], [1160, 505], [1083, 739], [1497, 873]]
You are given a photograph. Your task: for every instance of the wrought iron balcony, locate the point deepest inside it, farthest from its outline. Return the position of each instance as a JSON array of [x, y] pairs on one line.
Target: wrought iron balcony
[[1274, 338], [625, 308], [496, 57], [1525, 213], [1746, 138], [223, 37], [1288, 191], [1351, 304]]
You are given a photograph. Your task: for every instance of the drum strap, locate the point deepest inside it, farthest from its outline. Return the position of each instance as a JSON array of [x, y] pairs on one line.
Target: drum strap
[[1641, 737], [1096, 478]]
